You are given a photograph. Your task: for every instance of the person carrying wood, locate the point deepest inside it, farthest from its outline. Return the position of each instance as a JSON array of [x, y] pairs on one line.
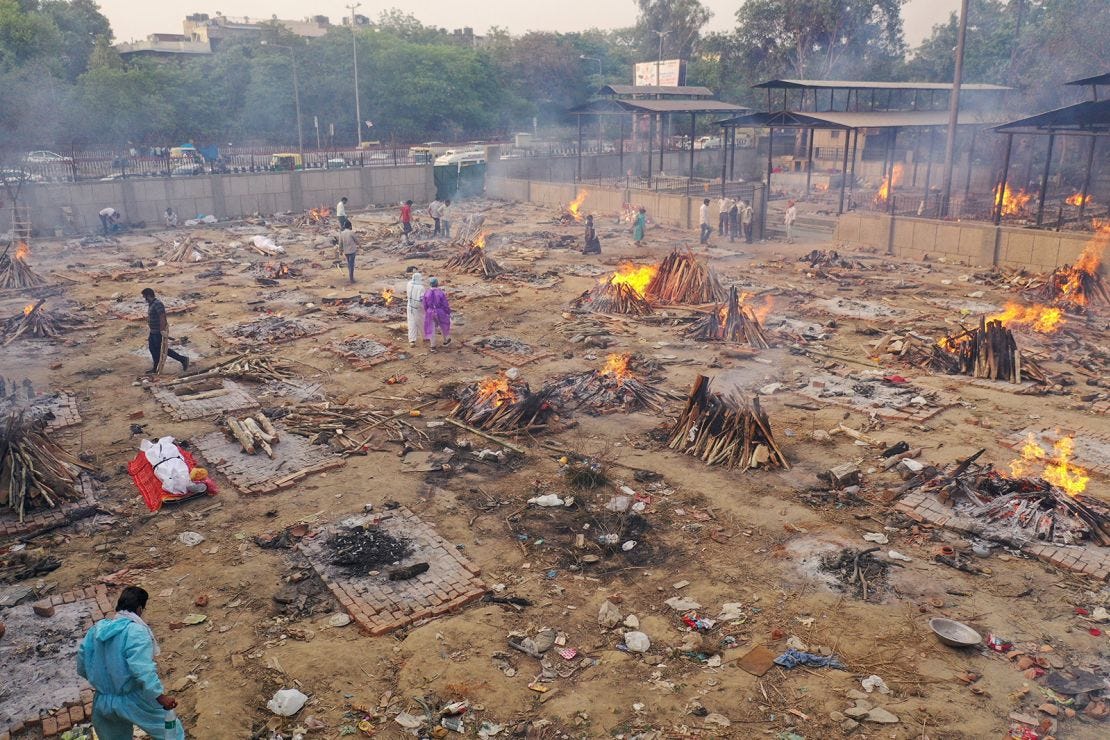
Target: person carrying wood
[[158, 340]]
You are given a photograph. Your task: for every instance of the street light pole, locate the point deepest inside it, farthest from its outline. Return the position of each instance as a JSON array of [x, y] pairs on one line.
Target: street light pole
[[954, 113], [296, 94], [354, 52], [592, 59], [659, 59]]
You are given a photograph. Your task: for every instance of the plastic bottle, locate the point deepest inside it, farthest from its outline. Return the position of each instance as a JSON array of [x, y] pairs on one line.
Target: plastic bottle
[[171, 723]]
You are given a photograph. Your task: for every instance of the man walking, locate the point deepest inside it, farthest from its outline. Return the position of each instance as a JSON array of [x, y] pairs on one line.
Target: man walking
[[341, 212], [348, 245], [703, 221], [789, 219], [117, 658], [406, 221], [158, 341]]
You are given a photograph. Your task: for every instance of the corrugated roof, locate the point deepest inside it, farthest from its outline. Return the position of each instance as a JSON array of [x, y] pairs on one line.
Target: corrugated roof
[[1090, 117], [861, 119], [610, 106], [1096, 80], [691, 90], [873, 85]]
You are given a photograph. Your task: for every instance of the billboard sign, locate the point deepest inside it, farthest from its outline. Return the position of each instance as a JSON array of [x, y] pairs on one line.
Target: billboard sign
[[667, 73]]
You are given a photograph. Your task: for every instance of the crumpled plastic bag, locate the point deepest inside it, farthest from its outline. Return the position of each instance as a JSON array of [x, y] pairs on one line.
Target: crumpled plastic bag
[[169, 466], [286, 702], [875, 683], [794, 658]]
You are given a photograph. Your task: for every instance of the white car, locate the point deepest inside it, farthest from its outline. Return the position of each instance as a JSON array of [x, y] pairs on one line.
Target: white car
[[43, 156]]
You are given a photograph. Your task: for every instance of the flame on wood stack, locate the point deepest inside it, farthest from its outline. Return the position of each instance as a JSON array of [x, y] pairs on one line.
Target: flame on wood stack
[[34, 321], [500, 405], [472, 258], [988, 351], [39, 474], [614, 298], [722, 430], [617, 386], [682, 278], [16, 273], [731, 322]]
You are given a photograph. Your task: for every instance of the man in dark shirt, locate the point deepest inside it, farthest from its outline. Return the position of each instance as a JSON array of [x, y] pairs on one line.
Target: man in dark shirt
[[159, 334]]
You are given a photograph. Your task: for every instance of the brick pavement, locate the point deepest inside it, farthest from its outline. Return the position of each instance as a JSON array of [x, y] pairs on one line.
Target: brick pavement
[[80, 608], [235, 399], [269, 330], [1090, 560], [294, 458], [46, 519], [363, 352], [60, 406], [379, 605]]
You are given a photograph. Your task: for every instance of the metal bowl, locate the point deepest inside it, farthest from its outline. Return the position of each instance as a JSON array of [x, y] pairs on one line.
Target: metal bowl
[[953, 633]]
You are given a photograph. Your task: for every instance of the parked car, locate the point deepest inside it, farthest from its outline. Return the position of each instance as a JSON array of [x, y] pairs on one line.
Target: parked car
[[42, 156], [189, 168]]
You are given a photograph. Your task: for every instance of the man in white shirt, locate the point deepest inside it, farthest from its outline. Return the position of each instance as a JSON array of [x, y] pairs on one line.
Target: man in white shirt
[[445, 218], [109, 217], [703, 220], [789, 219], [435, 210], [723, 206], [341, 211]]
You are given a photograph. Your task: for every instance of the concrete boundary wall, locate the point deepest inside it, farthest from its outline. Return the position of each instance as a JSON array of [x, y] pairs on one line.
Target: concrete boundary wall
[[707, 163], [967, 242], [223, 196], [664, 208]]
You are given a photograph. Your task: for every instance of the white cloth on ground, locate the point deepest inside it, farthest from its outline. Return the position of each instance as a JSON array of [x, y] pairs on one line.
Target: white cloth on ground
[[169, 466]]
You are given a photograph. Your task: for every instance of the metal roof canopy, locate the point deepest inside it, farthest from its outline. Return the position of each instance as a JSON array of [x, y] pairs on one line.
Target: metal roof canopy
[[872, 85], [1089, 118], [1103, 79], [619, 107], [692, 90], [857, 120]]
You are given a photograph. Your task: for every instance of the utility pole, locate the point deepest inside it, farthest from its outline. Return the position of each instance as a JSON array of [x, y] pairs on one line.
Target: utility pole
[[659, 59], [354, 52], [296, 93], [953, 112]]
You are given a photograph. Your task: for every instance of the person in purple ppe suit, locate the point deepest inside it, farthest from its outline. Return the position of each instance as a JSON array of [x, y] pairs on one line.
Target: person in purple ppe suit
[[437, 314]]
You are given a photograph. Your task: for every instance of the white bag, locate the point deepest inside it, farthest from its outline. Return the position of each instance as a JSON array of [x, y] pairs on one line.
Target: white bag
[[169, 466]]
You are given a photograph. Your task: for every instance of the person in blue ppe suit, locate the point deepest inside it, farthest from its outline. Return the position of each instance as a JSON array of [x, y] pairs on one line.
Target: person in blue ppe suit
[[117, 658]]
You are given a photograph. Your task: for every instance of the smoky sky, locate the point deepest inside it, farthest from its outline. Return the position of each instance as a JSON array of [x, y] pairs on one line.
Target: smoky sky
[[135, 19]]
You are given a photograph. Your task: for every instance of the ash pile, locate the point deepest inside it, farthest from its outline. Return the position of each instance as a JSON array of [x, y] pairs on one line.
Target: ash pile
[[362, 549]]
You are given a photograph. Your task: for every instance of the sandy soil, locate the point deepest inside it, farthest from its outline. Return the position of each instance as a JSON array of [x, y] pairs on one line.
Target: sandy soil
[[735, 537]]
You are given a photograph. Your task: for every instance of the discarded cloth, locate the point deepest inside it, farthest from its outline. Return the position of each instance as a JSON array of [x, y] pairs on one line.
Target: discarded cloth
[[793, 658]]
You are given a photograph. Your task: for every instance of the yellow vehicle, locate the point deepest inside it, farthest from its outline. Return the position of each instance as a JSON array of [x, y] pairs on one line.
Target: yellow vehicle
[[286, 161]]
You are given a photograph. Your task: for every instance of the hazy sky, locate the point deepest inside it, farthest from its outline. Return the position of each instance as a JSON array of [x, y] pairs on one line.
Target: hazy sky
[[134, 19]]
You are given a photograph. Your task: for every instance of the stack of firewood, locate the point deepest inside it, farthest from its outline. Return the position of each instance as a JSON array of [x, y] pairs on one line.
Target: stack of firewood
[[614, 298], [15, 273], [723, 430], [188, 250], [254, 433], [504, 406], [988, 351], [473, 259], [249, 366], [35, 321], [731, 322], [35, 471], [827, 258], [344, 427], [682, 278], [1075, 287], [624, 383]]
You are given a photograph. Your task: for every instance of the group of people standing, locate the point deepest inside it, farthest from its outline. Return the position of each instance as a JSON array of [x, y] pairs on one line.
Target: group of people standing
[[734, 219]]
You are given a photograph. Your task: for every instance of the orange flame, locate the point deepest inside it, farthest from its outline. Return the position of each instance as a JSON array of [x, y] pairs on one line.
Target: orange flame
[[22, 252], [28, 309], [1044, 319], [575, 206], [953, 345], [1069, 281], [760, 309], [318, 214], [634, 277], [480, 240], [889, 182], [1057, 470], [496, 391], [1013, 204], [387, 296], [617, 366], [1077, 199], [820, 187]]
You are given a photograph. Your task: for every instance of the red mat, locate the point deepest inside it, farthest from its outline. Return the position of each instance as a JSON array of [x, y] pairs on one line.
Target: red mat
[[142, 472]]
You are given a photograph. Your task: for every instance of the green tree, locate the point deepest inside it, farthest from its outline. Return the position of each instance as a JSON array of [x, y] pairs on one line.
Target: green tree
[[681, 22], [821, 39], [80, 24]]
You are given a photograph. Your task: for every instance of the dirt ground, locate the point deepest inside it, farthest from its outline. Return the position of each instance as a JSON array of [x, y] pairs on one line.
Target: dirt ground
[[752, 538]]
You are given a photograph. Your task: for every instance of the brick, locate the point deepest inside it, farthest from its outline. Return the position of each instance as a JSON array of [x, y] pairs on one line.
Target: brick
[[43, 609], [77, 714], [63, 721], [49, 727]]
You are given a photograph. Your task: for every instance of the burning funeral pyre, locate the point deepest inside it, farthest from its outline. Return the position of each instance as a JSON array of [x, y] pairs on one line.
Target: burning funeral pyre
[[383, 306], [622, 292], [37, 472], [734, 321], [987, 351], [892, 179], [1075, 288], [624, 383], [503, 405], [724, 430], [315, 217], [472, 258], [682, 278], [1020, 508], [1012, 204], [35, 321], [828, 258], [16, 273], [572, 212], [270, 272]]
